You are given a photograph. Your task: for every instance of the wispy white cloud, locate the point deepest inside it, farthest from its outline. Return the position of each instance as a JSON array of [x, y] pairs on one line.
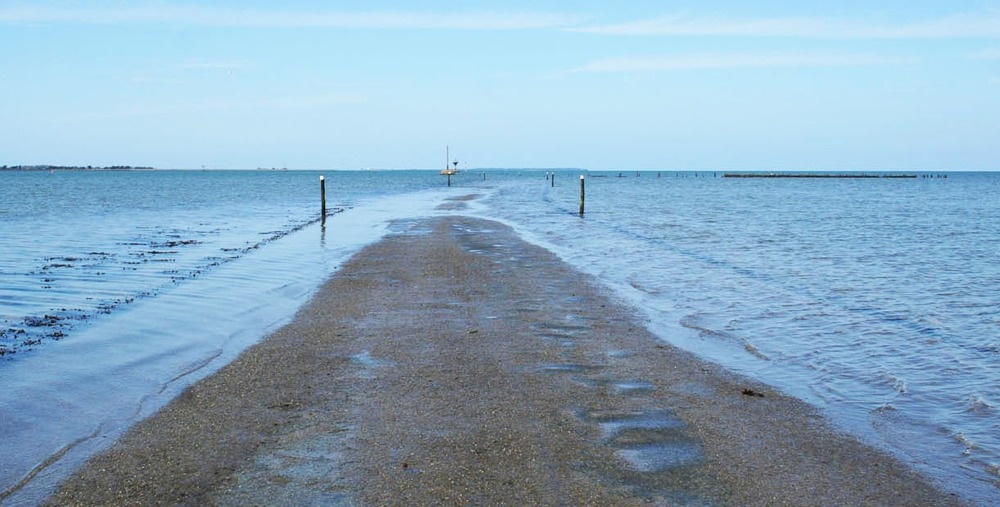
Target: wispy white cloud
[[280, 18], [957, 26], [212, 65], [222, 105], [178, 73], [985, 54], [734, 61]]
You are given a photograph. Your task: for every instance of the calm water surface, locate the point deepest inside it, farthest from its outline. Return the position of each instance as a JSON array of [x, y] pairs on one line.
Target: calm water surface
[[119, 289], [878, 300], [114, 237]]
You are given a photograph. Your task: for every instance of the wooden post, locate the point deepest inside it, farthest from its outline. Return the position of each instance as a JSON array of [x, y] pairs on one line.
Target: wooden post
[[553, 180], [449, 179], [582, 194], [322, 196]]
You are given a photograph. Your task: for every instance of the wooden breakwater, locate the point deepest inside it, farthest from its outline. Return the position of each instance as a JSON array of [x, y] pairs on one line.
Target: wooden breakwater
[[829, 175]]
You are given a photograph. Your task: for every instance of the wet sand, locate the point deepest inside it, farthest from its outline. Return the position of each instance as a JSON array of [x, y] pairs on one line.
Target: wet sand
[[454, 364]]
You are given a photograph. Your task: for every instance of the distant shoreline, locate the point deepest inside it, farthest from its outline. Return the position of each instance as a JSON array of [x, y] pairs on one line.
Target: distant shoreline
[[26, 168]]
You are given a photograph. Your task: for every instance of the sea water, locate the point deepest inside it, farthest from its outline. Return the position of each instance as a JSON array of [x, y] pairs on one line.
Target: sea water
[[876, 299], [119, 289]]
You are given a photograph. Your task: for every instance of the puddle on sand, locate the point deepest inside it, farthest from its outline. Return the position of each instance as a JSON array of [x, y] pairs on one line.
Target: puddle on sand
[[620, 354], [369, 363], [614, 425], [617, 387], [410, 227], [561, 339], [661, 456], [306, 471], [365, 359], [560, 329], [568, 368], [632, 388]]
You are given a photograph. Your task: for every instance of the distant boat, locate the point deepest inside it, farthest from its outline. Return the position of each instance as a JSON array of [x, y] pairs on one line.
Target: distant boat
[[449, 170]]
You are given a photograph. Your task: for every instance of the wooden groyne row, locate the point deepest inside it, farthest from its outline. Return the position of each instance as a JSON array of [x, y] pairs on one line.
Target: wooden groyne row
[[827, 175]]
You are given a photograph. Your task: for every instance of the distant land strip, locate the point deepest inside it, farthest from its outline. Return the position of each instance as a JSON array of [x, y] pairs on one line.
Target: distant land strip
[[826, 175], [71, 168]]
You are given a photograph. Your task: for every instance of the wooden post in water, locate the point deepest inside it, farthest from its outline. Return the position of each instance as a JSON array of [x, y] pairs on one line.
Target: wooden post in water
[[582, 194], [553, 180], [322, 196]]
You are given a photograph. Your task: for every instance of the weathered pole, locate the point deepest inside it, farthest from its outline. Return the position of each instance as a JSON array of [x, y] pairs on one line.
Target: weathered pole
[[582, 194], [322, 196]]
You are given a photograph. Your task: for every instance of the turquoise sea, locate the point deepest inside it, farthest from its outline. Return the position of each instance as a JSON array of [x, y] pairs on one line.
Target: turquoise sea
[[875, 299]]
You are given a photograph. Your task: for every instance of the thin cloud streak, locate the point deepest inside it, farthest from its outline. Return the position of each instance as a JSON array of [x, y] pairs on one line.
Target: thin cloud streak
[[957, 26], [255, 18], [736, 61], [180, 72], [224, 105], [985, 55], [213, 65]]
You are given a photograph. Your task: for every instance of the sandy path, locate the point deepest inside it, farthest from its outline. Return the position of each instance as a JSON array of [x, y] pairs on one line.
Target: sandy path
[[454, 364]]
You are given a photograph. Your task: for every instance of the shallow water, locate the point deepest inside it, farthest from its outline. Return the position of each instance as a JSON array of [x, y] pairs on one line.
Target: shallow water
[[115, 237], [133, 336], [877, 300]]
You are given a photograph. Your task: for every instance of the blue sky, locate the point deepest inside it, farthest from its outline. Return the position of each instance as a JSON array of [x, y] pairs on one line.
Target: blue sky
[[706, 85]]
